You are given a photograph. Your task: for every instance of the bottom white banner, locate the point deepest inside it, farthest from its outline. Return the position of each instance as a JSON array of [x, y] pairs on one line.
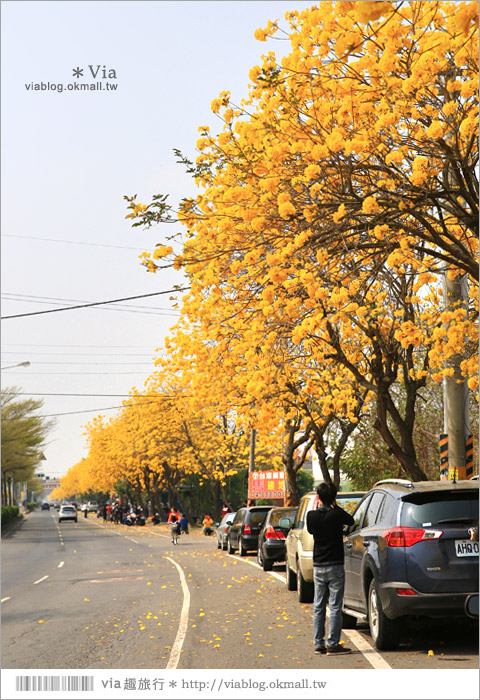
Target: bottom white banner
[[239, 683]]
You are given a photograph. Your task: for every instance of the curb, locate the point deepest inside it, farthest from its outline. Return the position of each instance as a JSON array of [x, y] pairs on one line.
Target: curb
[[13, 524]]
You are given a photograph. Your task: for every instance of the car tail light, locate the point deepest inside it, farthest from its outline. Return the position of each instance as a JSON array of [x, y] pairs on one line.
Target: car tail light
[[272, 534], [405, 591], [227, 528], [247, 530], [407, 536]]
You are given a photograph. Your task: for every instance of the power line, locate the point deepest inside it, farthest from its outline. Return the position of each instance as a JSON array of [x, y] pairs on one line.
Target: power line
[[55, 301], [70, 345], [118, 396], [109, 354], [58, 240], [93, 362], [97, 303]]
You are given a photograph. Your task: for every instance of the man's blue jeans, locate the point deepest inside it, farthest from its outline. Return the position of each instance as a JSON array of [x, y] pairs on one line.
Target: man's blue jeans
[[329, 582]]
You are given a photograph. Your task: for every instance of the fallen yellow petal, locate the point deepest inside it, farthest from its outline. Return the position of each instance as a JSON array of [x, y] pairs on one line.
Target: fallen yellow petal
[[87, 600], [430, 652]]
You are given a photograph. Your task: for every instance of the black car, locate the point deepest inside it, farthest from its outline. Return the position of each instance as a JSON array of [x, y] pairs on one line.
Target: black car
[[271, 540], [45, 506], [243, 532], [409, 553]]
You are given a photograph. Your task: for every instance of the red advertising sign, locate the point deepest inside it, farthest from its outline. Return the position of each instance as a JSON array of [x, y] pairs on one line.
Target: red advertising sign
[[266, 485]]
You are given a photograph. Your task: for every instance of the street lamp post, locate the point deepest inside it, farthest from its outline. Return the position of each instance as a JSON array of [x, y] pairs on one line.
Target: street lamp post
[[20, 364]]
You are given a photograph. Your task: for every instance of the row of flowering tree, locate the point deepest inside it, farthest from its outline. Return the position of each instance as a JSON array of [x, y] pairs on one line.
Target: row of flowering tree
[[331, 203]]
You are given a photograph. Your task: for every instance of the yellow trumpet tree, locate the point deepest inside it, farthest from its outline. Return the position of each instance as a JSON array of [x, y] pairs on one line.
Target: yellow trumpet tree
[[333, 195]]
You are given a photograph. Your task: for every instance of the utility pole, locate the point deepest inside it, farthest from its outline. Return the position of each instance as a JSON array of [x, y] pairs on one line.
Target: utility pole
[[456, 424], [251, 458]]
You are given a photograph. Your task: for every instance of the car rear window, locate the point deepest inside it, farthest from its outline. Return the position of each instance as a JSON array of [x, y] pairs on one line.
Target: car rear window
[[276, 516], [257, 516], [348, 503], [442, 508], [68, 508]]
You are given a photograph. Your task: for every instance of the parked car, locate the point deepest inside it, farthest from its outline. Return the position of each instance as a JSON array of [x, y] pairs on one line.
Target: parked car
[[244, 530], [271, 540], [45, 506], [92, 506], [299, 543], [409, 553], [68, 512], [222, 530]]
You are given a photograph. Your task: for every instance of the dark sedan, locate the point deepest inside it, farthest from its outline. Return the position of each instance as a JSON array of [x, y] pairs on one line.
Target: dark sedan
[[271, 540]]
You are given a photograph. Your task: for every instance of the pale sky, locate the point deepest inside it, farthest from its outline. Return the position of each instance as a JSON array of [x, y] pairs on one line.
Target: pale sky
[[69, 157]]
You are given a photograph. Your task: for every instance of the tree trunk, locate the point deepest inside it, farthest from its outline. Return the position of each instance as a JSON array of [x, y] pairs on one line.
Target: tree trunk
[[403, 449]]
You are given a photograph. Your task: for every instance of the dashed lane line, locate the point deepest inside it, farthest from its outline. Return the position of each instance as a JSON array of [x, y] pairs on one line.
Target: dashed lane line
[[60, 565], [40, 580], [5, 599]]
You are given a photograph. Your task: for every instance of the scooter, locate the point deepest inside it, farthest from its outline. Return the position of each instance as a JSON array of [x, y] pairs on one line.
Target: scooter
[[140, 519]]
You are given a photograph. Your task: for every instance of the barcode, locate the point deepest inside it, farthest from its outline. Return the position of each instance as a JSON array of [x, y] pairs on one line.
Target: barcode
[[28, 683]]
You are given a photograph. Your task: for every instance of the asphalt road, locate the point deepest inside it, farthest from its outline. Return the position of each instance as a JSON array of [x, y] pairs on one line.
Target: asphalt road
[[95, 595]]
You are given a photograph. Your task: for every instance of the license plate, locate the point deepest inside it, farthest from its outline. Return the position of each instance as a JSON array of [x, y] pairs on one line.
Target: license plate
[[466, 548]]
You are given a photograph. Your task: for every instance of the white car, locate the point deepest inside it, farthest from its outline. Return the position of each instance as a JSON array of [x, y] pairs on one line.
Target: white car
[[67, 513], [92, 506]]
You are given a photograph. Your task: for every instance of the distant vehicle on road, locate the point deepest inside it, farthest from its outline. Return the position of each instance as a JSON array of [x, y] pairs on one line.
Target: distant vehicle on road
[[92, 506], [45, 506], [67, 513]]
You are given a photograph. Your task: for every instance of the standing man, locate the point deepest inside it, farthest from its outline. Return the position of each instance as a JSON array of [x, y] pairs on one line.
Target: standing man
[[326, 525]]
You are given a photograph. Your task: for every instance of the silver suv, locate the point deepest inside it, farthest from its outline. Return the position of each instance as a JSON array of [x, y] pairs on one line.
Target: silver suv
[[299, 543]]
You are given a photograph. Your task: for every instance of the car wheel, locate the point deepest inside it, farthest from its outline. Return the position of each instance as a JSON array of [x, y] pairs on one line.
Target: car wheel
[[267, 564], [348, 621], [241, 549], [76, 520], [291, 579], [224, 544], [59, 520], [219, 544], [385, 632], [259, 556], [231, 550], [304, 588]]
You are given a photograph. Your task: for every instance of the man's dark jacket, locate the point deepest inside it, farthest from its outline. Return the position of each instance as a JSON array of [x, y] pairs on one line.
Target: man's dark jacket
[[326, 525]]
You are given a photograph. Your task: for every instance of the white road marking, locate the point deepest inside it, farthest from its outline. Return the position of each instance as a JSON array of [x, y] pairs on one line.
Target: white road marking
[[60, 565], [40, 580], [370, 654], [131, 539], [4, 599], [182, 627]]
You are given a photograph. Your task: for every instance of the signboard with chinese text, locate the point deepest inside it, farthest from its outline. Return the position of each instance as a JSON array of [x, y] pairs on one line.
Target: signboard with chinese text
[[266, 485]]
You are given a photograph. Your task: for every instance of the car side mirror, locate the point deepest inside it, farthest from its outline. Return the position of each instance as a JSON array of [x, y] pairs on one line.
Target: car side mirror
[[286, 523]]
